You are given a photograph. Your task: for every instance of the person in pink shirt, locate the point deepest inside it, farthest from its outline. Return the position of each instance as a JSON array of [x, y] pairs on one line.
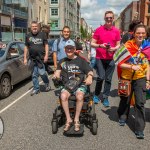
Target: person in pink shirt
[[106, 40]]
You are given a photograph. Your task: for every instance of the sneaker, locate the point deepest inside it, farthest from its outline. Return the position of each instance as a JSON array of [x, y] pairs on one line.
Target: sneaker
[[106, 102], [47, 87], [139, 134], [34, 92], [122, 122], [96, 99]]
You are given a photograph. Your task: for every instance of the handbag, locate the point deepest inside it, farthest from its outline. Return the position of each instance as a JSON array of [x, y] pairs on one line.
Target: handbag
[[73, 83], [124, 87]]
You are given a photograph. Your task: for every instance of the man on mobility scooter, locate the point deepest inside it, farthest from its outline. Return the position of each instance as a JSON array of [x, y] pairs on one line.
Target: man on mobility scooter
[[72, 71]]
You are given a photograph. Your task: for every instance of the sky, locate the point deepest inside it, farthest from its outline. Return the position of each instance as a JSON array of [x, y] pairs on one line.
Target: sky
[[93, 10]]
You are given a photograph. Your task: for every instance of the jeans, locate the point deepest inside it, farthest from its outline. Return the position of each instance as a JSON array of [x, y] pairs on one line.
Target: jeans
[[35, 74], [93, 62], [139, 89], [105, 69]]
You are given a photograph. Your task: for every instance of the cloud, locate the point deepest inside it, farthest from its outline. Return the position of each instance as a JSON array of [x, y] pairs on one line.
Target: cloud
[[93, 10], [88, 3], [117, 3]]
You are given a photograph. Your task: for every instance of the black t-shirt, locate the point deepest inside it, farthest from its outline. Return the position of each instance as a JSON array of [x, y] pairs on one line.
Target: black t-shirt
[[36, 44], [78, 45], [127, 36], [73, 68]]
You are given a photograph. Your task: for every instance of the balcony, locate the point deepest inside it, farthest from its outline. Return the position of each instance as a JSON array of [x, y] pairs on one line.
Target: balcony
[[8, 11]]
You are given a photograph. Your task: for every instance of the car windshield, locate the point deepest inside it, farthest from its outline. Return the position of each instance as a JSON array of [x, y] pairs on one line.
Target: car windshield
[[2, 49]]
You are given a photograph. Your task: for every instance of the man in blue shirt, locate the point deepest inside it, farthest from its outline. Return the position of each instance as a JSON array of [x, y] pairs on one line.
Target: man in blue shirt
[[59, 44]]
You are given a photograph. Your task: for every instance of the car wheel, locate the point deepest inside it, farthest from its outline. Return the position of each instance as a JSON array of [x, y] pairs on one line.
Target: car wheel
[[5, 86]]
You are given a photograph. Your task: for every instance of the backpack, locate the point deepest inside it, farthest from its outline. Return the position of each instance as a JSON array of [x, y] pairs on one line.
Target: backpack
[[58, 41]]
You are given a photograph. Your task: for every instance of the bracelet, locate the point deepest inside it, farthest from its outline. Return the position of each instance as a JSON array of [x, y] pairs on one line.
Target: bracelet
[[99, 46]]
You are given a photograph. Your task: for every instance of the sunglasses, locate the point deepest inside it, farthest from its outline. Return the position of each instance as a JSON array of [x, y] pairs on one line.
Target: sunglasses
[[108, 18], [69, 48]]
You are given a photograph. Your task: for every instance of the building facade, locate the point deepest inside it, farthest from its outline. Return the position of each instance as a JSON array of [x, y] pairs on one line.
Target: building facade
[[64, 13], [13, 19], [38, 11], [139, 10]]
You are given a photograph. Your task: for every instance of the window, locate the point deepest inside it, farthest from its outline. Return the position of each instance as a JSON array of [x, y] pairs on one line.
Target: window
[[21, 48], [54, 11], [13, 50], [54, 24], [54, 1]]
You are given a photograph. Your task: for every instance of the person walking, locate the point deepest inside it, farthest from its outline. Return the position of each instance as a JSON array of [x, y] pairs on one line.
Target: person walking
[[92, 55], [137, 68], [106, 40], [36, 45], [78, 44], [59, 44], [128, 35]]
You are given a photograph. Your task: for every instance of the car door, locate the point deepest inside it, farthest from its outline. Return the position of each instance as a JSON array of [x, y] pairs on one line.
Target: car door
[[25, 69], [14, 63]]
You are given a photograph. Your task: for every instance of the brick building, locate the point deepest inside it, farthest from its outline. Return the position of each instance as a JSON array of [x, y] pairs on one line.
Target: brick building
[[135, 10]]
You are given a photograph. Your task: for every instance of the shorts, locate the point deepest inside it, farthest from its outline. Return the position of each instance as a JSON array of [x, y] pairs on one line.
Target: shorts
[[82, 88]]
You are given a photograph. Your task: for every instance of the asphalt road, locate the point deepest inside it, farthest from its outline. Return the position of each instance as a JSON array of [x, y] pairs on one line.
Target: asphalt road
[[27, 124]]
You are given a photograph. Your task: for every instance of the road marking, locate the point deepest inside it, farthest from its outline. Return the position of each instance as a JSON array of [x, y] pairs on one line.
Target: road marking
[[15, 101]]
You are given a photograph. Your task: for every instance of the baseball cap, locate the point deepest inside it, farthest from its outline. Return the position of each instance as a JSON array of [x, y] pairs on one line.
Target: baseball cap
[[70, 43]]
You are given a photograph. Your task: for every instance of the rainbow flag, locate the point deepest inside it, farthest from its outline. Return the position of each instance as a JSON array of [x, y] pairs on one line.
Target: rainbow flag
[[121, 55], [146, 48]]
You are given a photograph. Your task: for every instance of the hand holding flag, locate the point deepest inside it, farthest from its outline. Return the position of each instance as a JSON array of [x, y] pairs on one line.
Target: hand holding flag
[[121, 55]]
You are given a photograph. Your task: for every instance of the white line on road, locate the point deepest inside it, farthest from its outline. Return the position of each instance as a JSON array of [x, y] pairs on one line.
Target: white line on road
[[15, 101]]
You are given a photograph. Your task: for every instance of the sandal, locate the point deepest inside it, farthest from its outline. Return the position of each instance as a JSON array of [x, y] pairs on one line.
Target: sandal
[[67, 126], [76, 125]]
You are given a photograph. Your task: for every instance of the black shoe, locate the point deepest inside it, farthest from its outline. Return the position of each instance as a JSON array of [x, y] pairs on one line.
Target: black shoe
[[139, 134], [122, 122], [47, 87], [34, 92]]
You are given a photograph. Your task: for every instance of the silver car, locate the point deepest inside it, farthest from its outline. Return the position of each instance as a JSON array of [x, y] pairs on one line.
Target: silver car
[[12, 68]]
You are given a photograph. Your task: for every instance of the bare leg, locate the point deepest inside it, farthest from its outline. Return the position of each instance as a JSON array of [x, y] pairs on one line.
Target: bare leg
[[79, 104], [64, 99]]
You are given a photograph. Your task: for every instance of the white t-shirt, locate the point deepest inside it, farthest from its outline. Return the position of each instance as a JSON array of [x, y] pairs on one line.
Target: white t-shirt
[[93, 52]]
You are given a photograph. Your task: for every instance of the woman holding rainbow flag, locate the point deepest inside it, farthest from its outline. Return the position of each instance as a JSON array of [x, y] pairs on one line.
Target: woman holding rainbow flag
[[135, 68]]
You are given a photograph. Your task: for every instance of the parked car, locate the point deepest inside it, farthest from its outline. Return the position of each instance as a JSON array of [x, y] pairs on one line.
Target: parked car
[[12, 68]]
